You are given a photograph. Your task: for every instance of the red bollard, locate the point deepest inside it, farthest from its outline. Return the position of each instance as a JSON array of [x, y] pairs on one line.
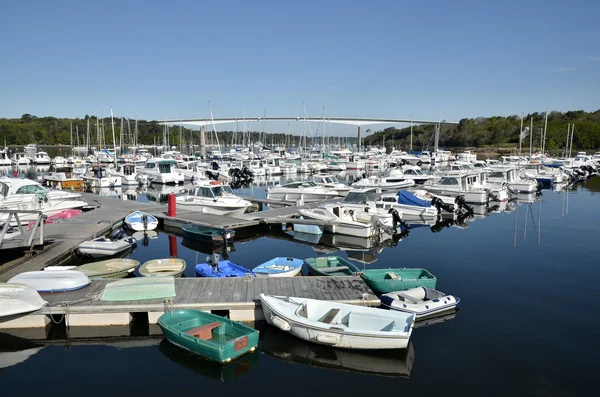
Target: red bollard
[[171, 206], [173, 246]]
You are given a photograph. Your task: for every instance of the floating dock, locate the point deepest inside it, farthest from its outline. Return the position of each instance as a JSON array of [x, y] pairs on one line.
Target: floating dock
[[237, 297]]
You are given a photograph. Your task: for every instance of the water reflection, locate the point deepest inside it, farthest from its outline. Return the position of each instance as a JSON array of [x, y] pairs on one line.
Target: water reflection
[[285, 347], [15, 350], [215, 371]]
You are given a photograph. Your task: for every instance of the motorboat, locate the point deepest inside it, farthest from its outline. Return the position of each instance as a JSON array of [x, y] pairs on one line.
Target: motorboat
[[54, 281], [455, 184], [349, 221], [192, 170], [416, 174], [59, 161], [4, 159], [18, 299], [304, 191], [207, 234], [128, 174], [60, 180], [41, 158], [20, 159], [420, 301], [213, 197], [221, 269], [331, 182], [113, 244], [163, 171], [411, 207], [140, 221], [393, 179], [338, 324], [279, 267], [96, 177], [509, 177]]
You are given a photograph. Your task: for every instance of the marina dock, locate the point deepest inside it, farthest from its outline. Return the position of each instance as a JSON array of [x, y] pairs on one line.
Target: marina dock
[[237, 297]]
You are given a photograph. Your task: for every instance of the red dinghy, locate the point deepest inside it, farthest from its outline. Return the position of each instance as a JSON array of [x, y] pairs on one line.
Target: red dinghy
[[66, 214]]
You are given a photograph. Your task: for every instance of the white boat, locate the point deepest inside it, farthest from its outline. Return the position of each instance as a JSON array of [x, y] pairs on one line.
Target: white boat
[[509, 177], [20, 159], [59, 161], [159, 170], [305, 191], [411, 207], [338, 324], [4, 159], [113, 244], [393, 179], [18, 299], [54, 281], [348, 221], [128, 174], [307, 229], [416, 174], [97, 177], [459, 184], [41, 158], [279, 267], [213, 197], [420, 301], [139, 221], [331, 182]]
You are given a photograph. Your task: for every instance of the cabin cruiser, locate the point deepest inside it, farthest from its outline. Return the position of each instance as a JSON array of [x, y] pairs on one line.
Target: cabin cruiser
[[305, 191], [128, 174], [509, 177], [41, 158], [60, 161], [159, 170], [96, 177], [192, 170], [542, 174], [63, 180], [213, 197], [4, 160], [21, 159], [465, 184], [331, 182], [26, 194], [416, 174], [350, 221], [393, 179], [466, 156]]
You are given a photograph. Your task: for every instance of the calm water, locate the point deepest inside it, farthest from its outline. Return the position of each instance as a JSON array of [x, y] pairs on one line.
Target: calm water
[[526, 274]]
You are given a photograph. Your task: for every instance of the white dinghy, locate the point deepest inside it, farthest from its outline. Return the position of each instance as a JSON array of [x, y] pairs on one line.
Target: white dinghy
[[54, 281], [114, 244], [139, 221], [338, 324], [421, 301], [18, 299]]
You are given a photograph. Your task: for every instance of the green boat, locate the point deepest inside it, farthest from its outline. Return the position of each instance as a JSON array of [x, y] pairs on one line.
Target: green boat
[[111, 268], [210, 336], [383, 281], [330, 266]]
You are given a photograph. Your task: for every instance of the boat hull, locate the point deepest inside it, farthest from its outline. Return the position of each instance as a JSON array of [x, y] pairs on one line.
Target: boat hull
[[388, 280]]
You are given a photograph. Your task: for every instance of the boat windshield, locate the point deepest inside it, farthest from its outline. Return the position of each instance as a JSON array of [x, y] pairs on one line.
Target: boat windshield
[[222, 190], [359, 197], [31, 189]]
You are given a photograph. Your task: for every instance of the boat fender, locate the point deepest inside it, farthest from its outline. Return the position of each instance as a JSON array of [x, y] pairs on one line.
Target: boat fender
[[280, 323], [328, 339]]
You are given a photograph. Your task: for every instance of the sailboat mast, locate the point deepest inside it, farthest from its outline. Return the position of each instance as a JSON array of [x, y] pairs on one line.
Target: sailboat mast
[[411, 129], [112, 125]]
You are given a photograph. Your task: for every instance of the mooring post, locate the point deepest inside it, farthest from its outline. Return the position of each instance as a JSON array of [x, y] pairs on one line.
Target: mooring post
[[172, 205]]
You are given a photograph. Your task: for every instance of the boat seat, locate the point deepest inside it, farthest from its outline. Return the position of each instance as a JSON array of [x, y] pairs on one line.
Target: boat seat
[[407, 297], [392, 276], [321, 262], [203, 332], [333, 269], [329, 316]]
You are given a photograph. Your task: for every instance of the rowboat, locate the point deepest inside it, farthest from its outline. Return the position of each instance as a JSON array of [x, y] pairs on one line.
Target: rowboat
[[338, 324], [163, 267], [66, 214], [224, 269], [421, 301], [114, 244], [17, 299], [139, 221], [382, 281], [207, 234], [330, 266], [54, 281], [208, 335], [111, 268], [139, 288], [279, 267]]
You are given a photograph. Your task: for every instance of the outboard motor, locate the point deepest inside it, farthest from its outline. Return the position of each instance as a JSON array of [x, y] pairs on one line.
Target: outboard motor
[[462, 204], [248, 172], [440, 205], [396, 218], [491, 195], [117, 234], [376, 221], [211, 175]]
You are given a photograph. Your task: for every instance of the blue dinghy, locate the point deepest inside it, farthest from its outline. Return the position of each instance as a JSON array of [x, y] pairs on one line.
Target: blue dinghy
[[224, 269], [279, 267]]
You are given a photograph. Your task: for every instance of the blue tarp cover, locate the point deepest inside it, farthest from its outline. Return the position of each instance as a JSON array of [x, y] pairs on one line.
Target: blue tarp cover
[[407, 198]]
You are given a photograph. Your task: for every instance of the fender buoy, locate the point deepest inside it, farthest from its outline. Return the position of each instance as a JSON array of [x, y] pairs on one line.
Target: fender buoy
[[280, 323], [328, 339]]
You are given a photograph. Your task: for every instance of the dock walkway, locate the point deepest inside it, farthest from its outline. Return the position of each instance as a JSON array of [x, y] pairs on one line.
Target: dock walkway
[[237, 297]]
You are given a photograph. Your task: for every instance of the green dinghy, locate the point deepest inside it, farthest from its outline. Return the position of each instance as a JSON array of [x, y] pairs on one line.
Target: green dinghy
[[213, 337], [330, 266], [383, 281]]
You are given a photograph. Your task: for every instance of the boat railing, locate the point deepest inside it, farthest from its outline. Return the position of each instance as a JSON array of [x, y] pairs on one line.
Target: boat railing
[[7, 243]]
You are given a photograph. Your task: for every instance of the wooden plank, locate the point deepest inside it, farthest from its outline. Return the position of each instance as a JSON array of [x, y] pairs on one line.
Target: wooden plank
[[244, 288], [322, 286], [315, 290], [289, 284], [183, 290], [217, 291], [237, 289], [303, 287], [333, 286], [205, 291], [251, 287]]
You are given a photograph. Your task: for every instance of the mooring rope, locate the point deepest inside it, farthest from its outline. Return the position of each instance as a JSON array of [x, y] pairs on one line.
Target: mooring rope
[[168, 304], [66, 305]]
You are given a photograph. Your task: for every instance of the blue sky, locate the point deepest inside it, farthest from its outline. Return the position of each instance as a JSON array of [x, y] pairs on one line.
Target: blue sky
[[431, 59]]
